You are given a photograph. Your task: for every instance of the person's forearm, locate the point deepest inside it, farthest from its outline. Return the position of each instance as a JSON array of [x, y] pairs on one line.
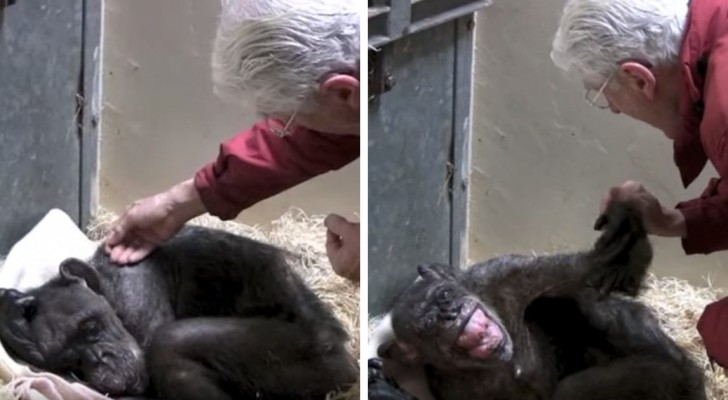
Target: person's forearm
[[185, 200]]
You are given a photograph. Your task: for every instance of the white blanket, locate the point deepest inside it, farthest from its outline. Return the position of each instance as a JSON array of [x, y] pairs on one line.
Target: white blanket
[[30, 263]]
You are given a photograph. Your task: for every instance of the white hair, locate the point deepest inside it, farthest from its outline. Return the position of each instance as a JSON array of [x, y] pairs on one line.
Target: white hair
[[595, 35], [279, 50]]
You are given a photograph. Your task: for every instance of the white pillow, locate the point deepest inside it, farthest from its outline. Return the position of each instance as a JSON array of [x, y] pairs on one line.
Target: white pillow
[[34, 260]]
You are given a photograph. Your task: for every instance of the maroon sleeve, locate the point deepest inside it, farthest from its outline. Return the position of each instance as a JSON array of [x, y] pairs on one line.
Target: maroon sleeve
[[713, 329], [706, 219], [258, 164]]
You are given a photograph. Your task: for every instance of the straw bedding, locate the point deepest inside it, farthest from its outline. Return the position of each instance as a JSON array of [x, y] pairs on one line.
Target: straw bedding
[[678, 305], [304, 237]]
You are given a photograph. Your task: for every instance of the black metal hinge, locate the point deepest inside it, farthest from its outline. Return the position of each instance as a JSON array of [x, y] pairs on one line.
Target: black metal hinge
[[380, 76], [3, 4]]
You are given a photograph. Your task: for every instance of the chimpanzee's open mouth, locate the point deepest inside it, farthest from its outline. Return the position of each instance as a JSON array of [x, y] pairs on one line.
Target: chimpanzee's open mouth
[[480, 336]]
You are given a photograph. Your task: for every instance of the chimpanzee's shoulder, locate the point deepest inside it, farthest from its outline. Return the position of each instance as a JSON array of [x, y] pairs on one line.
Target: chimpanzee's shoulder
[[215, 236]]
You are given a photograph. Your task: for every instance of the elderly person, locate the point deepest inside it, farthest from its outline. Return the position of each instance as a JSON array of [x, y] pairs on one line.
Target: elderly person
[[299, 60], [664, 63]]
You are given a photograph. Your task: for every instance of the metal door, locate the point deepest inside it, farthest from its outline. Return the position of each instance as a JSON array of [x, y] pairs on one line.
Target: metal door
[[419, 139], [48, 54]]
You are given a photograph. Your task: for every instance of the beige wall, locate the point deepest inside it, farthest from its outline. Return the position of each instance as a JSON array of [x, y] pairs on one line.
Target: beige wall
[[542, 157], [160, 119]]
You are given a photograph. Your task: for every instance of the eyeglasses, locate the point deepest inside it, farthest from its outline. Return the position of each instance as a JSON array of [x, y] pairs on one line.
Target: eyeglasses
[[278, 131], [598, 100]]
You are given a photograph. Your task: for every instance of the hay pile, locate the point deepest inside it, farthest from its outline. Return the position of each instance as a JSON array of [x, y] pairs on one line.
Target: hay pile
[[304, 237], [6, 394], [678, 305]]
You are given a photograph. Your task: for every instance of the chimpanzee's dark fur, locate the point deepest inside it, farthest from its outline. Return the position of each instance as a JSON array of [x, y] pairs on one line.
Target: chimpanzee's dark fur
[[567, 332], [208, 315]]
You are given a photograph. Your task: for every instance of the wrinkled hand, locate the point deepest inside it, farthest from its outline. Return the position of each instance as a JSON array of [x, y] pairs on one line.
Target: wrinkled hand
[[658, 220], [342, 246], [149, 222]]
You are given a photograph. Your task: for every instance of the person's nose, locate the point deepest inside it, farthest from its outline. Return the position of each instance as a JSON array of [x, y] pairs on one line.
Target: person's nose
[[613, 108]]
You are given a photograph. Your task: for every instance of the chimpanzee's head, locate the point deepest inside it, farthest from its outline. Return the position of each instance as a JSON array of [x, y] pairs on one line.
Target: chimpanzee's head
[[438, 322], [67, 327]]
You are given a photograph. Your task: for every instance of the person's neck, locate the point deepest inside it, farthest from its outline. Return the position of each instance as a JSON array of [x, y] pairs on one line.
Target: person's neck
[[671, 91], [342, 123]]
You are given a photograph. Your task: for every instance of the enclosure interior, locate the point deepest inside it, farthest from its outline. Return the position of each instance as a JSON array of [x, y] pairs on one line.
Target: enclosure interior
[[111, 101], [161, 120], [420, 71], [533, 169], [543, 158]]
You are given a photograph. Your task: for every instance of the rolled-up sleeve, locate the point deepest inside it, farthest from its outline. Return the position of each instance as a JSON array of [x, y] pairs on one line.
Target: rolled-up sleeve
[[258, 164]]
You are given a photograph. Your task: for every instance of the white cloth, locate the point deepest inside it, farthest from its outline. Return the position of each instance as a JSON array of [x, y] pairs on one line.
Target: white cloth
[[31, 262], [34, 259]]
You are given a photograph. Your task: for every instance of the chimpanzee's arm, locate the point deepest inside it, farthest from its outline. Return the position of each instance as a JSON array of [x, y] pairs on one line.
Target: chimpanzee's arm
[[618, 262]]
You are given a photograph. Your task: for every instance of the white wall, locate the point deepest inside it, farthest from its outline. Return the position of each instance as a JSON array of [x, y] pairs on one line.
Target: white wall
[[543, 158], [161, 121]]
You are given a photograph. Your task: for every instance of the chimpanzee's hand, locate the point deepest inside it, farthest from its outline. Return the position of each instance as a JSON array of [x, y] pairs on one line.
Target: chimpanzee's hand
[[382, 387], [658, 220], [622, 254], [149, 222], [342, 246]]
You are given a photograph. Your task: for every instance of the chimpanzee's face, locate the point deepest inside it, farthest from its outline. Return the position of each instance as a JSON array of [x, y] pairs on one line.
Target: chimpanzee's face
[[67, 327], [437, 321]]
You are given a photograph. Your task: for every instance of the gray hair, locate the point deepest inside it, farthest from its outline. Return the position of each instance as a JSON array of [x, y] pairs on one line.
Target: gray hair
[[595, 35], [279, 50]]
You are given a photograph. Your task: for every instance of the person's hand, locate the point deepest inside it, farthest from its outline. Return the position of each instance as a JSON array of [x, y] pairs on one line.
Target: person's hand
[[342, 246], [149, 222], [658, 220]]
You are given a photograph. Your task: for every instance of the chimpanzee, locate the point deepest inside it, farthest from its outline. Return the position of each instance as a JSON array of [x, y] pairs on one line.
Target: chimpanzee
[[562, 327], [209, 315]]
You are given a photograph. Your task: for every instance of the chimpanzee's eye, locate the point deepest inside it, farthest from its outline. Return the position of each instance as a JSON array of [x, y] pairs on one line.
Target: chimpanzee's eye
[[445, 294], [29, 311], [430, 321], [89, 326]]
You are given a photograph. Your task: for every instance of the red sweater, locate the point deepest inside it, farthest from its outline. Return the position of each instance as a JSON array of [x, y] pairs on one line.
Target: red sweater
[[704, 109], [258, 164]]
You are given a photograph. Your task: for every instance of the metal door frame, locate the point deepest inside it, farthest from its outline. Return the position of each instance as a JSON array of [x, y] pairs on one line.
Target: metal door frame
[[89, 95], [390, 20]]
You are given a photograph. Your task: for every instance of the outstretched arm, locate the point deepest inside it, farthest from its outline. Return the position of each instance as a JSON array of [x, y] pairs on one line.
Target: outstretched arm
[[617, 262]]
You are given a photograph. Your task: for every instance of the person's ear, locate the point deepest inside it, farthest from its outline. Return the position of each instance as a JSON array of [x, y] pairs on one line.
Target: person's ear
[[639, 77], [343, 89]]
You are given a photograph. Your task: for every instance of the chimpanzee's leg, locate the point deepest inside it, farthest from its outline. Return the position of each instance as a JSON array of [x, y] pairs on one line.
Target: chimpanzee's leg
[[631, 378], [226, 358], [639, 360], [628, 327]]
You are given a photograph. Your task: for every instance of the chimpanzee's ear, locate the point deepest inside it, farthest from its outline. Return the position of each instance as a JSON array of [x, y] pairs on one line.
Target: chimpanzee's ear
[[17, 304], [75, 270], [436, 271], [399, 351]]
